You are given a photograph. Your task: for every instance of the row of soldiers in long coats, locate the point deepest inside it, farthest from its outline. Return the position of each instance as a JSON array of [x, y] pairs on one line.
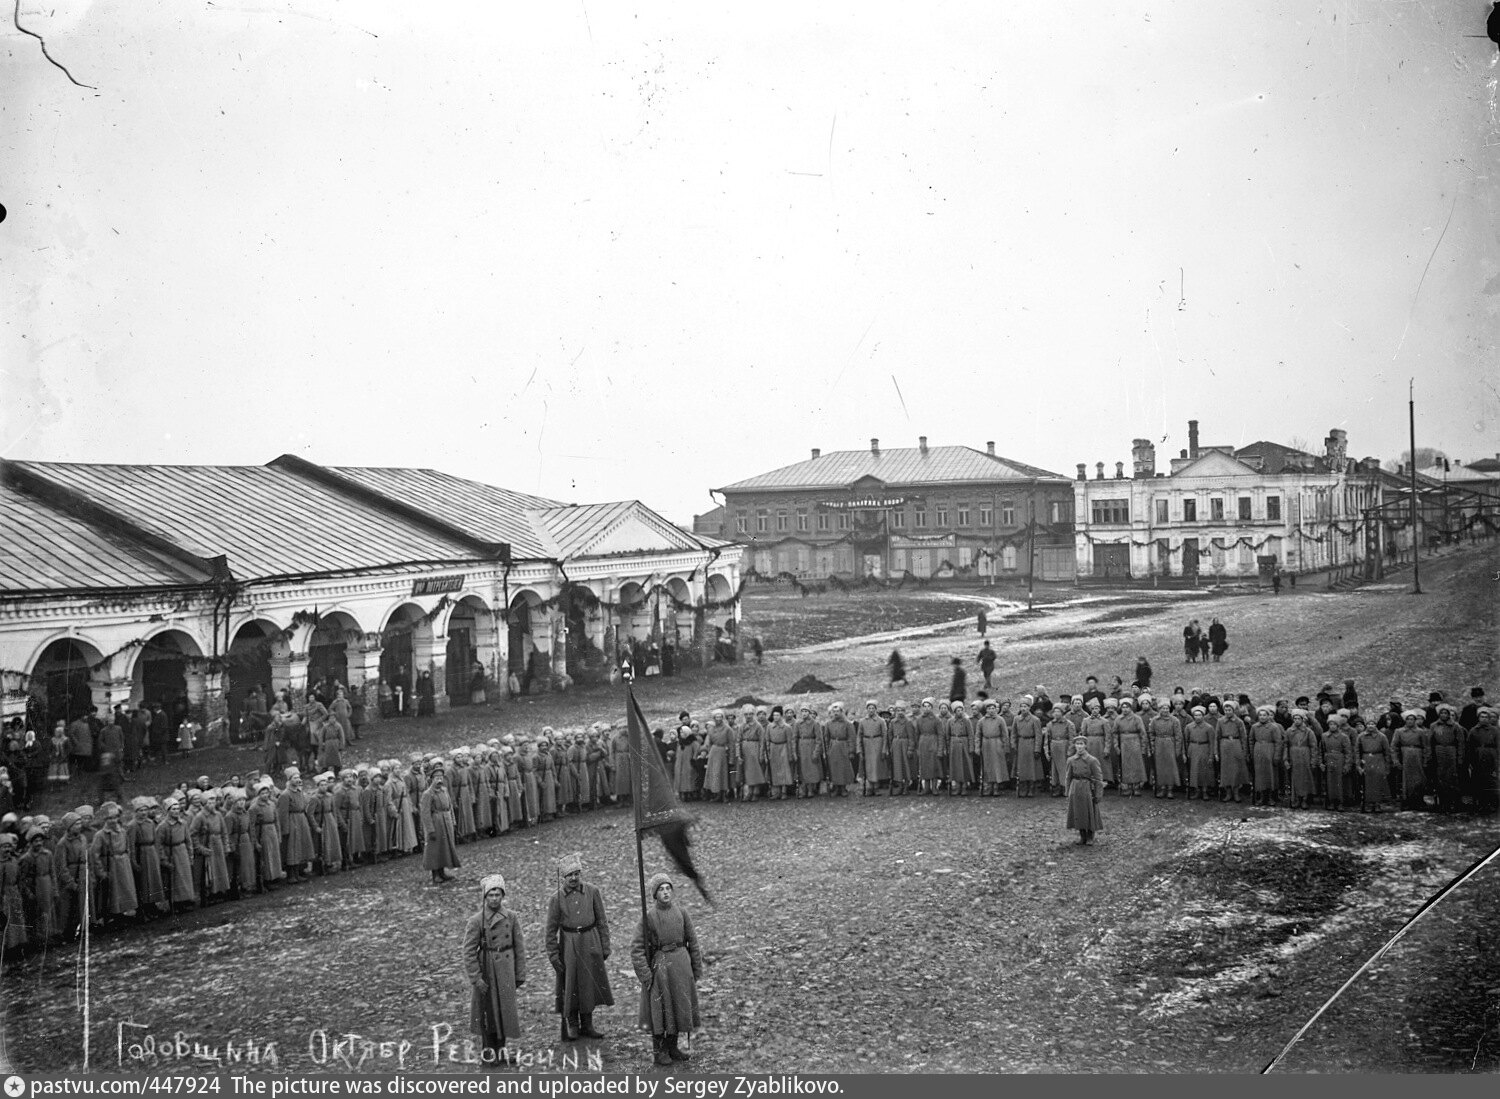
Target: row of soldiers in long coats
[[206, 843], [1215, 747]]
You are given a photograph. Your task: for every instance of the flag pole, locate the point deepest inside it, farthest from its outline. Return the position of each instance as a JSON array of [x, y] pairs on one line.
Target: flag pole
[[636, 751]]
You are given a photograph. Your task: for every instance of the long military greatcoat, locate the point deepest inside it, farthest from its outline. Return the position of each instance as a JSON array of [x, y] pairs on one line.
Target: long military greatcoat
[[577, 947], [494, 953]]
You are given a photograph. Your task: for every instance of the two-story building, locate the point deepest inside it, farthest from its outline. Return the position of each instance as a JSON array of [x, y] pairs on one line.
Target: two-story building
[[1225, 512], [928, 511]]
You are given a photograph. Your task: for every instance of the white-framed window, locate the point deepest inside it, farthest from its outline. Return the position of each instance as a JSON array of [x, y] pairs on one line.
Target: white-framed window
[[783, 521], [1111, 512], [742, 523], [762, 522], [843, 520], [986, 517], [801, 518], [942, 516], [1008, 558], [1007, 513], [825, 521], [898, 520], [921, 518], [1059, 511], [963, 515], [965, 557]]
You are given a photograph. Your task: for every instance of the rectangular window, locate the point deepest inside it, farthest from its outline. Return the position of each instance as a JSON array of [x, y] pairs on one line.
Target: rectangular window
[[965, 557], [783, 521], [1114, 512], [1244, 507], [986, 517], [1008, 558], [942, 516], [1217, 553], [825, 521], [963, 515], [898, 562], [843, 520], [921, 518], [762, 522], [1059, 511], [898, 520], [1161, 511], [1190, 511], [802, 556], [802, 520], [1216, 508], [1007, 513], [1273, 508], [742, 524]]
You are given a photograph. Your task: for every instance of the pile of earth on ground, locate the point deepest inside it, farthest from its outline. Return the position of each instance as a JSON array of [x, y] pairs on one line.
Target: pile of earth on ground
[[808, 685]]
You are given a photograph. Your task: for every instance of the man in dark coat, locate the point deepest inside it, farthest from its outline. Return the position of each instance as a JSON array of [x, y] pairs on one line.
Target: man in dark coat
[[987, 662], [578, 947]]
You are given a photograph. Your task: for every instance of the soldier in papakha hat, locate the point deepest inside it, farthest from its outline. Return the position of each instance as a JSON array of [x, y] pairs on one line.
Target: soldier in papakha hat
[[578, 947], [440, 845], [494, 958]]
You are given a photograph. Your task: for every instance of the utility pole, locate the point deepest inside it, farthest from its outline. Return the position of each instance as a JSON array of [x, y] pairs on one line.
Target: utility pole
[[1416, 548]]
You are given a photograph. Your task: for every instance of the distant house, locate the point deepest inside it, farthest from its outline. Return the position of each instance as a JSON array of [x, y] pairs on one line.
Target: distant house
[[1227, 512], [885, 512]]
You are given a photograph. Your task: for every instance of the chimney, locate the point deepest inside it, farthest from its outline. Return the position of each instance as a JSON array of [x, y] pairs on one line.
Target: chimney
[[1336, 447], [817, 453], [1119, 471], [1098, 471], [1182, 454], [1083, 472], [1143, 457], [922, 443], [875, 447], [1192, 438], [989, 448]]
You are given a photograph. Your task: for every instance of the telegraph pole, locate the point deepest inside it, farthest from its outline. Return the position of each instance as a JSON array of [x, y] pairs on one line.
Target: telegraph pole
[[1416, 548]]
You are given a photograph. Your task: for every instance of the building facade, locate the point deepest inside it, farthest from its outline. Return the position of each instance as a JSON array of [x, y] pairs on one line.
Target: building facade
[[191, 585], [1227, 513], [928, 511]]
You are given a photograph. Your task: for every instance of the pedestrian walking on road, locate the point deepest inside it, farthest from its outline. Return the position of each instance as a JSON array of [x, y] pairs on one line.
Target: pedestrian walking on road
[[958, 690], [1218, 640], [987, 662], [983, 621]]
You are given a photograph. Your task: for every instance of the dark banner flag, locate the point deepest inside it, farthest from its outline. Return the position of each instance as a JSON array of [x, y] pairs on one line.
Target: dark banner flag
[[656, 806]]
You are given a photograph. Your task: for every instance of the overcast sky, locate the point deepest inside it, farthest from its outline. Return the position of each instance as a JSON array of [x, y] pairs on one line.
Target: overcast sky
[[598, 251]]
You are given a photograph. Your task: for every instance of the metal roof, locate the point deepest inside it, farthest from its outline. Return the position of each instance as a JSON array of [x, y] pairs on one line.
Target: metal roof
[[43, 548], [482, 511], [267, 521], [574, 530], [938, 465]]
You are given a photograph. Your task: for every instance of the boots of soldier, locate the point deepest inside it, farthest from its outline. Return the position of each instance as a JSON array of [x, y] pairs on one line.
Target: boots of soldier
[[673, 1052], [586, 1026], [659, 1050]]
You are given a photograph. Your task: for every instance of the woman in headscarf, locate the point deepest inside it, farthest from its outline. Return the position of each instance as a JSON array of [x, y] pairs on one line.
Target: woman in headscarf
[[668, 963], [689, 736], [1085, 787], [495, 961], [440, 850]]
